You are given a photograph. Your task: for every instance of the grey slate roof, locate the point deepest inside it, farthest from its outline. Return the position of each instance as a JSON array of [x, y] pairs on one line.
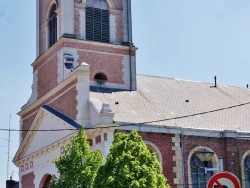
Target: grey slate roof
[[160, 98]]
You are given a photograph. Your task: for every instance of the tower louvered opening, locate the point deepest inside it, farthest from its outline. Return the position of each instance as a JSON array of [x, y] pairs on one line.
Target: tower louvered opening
[[52, 26], [97, 21]]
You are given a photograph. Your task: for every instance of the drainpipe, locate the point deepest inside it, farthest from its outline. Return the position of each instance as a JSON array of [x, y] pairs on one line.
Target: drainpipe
[[182, 156], [239, 162], [129, 40]]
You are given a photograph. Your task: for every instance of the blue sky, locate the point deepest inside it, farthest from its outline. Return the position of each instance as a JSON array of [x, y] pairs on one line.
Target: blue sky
[[192, 40]]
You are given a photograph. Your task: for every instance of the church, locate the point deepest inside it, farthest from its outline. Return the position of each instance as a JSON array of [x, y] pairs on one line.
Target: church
[[85, 73]]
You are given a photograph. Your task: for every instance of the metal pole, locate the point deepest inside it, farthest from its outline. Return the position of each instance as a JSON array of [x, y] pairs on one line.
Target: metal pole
[[8, 150]]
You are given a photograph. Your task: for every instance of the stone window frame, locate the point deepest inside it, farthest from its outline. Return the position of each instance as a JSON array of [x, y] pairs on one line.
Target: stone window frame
[[245, 155], [151, 146], [215, 161], [112, 22], [100, 31], [53, 2], [45, 179]]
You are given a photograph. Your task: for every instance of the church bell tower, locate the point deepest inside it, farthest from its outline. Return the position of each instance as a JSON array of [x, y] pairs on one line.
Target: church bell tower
[[97, 32], [81, 45], [73, 33]]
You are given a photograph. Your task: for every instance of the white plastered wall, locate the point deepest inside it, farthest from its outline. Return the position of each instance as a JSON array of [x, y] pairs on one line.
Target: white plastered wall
[[104, 145], [34, 94], [62, 71], [112, 29], [82, 97], [82, 13], [44, 165], [67, 17]]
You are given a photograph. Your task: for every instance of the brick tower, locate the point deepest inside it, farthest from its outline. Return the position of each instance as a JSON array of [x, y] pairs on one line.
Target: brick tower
[[81, 44], [70, 32], [97, 32]]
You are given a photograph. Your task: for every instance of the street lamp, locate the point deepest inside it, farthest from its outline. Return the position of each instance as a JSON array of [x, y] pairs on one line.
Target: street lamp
[[205, 156]]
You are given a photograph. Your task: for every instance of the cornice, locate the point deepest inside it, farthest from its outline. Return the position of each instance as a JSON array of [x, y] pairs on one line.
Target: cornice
[[79, 41], [60, 86], [45, 150], [40, 58], [115, 11], [59, 144], [117, 46], [80, 6]]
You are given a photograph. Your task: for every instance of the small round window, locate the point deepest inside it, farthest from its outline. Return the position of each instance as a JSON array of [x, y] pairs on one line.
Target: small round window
[[100, 78]]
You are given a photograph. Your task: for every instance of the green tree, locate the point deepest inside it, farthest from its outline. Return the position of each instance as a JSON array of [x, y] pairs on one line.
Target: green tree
[[78, 165], [130, 165]]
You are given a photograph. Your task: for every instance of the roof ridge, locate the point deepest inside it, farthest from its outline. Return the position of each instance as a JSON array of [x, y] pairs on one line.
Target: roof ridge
[[194, 81]]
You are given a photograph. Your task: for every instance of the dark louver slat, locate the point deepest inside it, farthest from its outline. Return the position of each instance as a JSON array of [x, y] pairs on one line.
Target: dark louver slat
[[97, 24], [52, 26]]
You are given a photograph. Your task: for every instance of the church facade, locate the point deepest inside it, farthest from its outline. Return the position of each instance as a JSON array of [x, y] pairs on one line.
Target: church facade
[[85, 73]]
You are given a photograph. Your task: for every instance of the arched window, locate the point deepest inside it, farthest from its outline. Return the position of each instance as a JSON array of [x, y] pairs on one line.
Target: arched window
[[199, 175], [52, 26], [45, 181], [247, 171], [97, 21]]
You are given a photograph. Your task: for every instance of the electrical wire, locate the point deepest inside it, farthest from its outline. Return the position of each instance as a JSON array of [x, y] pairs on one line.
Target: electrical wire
[[131, 124]]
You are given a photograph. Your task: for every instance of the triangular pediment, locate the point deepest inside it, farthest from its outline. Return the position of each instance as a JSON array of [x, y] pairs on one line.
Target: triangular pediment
[[48, 127]]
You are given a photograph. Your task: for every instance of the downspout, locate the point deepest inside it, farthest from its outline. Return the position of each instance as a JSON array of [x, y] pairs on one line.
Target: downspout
[[129, 40], [239, 162], [182, 156]]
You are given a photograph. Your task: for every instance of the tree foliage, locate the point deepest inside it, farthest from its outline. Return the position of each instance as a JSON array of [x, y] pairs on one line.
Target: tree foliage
[[78, 165], [130, 165]]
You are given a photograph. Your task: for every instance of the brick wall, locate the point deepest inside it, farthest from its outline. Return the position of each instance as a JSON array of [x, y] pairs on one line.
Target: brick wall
[[27, 180], [110, 65], [165, 144], [66, 103], [47, 76], [26, 124], [230, 149]]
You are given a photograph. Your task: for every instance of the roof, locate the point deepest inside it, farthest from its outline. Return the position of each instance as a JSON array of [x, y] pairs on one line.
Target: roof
[[200, 105], [62, 116]]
